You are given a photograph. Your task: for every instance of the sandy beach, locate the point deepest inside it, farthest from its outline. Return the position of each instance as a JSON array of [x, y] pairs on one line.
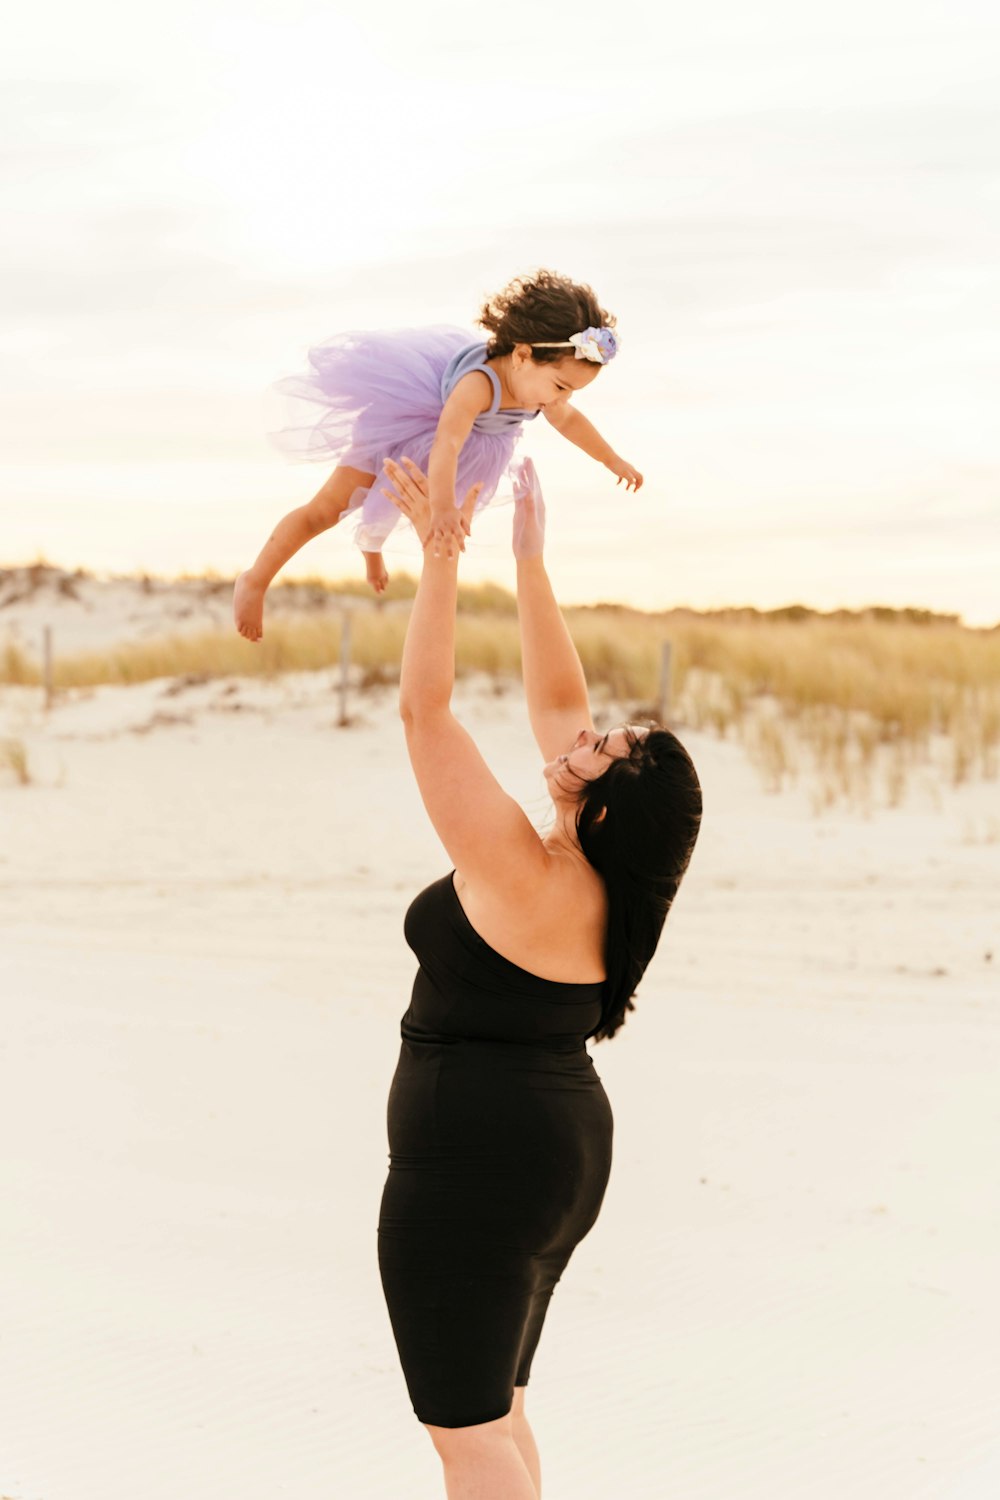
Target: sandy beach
[[791, 1289]]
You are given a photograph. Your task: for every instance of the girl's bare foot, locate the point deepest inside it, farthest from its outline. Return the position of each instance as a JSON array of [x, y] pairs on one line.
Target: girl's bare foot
[[248, 607], [375, 568]]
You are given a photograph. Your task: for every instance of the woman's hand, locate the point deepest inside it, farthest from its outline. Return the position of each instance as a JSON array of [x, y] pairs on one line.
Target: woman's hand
[[414, 501], [529, 511]]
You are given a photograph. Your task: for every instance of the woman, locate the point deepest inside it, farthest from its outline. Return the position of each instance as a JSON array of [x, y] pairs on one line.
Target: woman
[[499, 1127]]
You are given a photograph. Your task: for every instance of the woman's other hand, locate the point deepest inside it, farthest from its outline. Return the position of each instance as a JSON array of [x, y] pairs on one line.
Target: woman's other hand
[[529, 511], [413, 498]]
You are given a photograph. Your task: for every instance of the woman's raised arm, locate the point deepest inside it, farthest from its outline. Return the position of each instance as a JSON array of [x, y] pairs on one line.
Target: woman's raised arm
[[486, 833], [554, 684]]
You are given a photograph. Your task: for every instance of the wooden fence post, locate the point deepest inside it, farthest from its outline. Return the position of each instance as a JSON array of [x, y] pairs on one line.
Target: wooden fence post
[[47, 664], [345, 660], [663, 701]]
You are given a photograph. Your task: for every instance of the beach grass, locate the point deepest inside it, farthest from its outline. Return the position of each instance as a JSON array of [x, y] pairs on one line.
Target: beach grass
[[14, 760], [858, 699]]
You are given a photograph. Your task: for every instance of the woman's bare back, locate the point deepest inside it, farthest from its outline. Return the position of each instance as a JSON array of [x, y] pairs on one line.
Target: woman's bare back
[[556, 932]]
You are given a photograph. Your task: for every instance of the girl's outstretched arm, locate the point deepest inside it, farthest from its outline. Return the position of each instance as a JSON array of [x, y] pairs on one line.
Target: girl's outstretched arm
[[574, 426]]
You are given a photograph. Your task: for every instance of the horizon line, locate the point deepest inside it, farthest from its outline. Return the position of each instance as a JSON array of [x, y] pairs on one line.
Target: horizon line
[[354, 587]]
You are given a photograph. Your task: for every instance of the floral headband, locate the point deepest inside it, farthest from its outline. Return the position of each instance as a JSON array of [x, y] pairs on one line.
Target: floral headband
[[598, 344]]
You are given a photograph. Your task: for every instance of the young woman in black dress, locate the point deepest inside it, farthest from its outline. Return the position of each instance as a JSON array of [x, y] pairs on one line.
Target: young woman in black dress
[[499, 1127]]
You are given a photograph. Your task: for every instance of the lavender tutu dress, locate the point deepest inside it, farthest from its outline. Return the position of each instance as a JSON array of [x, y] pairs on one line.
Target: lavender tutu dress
[[371, 395]]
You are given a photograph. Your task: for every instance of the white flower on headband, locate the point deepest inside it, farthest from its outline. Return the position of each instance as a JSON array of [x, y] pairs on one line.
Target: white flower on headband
[[598, 344]]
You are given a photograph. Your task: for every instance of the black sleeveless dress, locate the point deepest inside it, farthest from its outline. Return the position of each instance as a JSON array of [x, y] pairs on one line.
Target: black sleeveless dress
[[499, 1155]]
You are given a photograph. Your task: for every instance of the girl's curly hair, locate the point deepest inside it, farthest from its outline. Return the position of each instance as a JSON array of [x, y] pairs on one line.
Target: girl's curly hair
[[542, 307]]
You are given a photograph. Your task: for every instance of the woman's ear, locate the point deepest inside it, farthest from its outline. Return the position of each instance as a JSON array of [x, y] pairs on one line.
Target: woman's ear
[[600, 815]]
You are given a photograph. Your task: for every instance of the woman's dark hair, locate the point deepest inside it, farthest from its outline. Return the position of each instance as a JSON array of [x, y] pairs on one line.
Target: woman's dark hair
[[651, 800], [541, 307]]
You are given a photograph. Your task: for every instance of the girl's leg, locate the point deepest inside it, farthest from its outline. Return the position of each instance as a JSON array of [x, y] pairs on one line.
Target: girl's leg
[[292, 532], [483, 1462], [525, 1440]]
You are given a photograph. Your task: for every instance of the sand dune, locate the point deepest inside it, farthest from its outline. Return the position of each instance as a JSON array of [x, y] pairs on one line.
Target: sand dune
[[88, 612], [791, 1291]]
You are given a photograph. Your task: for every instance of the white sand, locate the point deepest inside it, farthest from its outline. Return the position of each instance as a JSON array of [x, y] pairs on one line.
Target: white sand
[[792, 1287]]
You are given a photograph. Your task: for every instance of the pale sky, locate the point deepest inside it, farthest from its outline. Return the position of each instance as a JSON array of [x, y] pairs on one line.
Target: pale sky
[[793, 211]]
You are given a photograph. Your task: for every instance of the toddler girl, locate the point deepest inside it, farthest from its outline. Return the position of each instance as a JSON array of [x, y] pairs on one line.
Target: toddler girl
[[455, 406]]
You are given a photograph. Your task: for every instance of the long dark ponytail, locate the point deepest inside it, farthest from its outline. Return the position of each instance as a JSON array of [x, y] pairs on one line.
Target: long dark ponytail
[[637, 824]]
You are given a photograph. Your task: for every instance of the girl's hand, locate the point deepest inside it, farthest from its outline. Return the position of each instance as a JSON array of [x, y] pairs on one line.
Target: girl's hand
[[447, 529], [413, 499], [625, 471], [529, 511]]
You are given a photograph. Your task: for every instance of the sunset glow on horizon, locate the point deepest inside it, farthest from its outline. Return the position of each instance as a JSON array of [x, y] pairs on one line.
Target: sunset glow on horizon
[[794, 216]]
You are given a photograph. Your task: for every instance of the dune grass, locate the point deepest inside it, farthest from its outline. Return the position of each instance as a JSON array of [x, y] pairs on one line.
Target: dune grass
[[14, 761], [858, 700]]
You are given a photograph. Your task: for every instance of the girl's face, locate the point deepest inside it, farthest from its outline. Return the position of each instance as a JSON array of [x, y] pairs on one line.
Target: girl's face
[[588, 757], [536, 386]]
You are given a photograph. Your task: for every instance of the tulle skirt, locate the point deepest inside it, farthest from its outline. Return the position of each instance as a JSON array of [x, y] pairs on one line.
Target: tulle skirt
[[368, 396]]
